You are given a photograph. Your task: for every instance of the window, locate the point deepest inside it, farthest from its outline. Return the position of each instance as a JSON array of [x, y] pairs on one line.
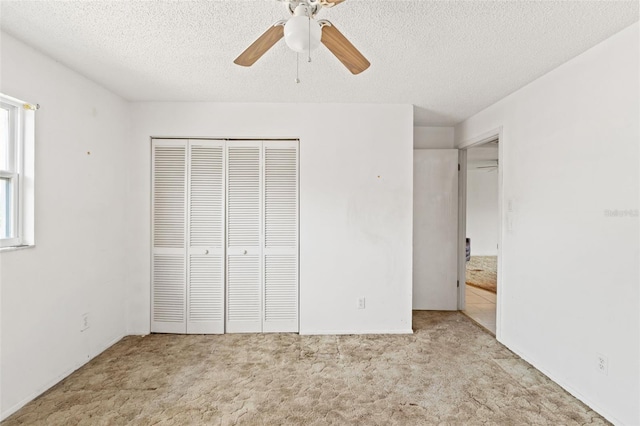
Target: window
[[16, 167]]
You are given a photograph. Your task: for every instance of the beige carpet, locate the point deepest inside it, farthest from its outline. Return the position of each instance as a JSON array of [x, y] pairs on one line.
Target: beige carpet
[[482, 272], [449, 372]]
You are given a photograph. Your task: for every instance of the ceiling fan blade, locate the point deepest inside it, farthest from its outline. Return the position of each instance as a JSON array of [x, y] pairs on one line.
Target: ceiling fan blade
[[343, 49], [260, 46]]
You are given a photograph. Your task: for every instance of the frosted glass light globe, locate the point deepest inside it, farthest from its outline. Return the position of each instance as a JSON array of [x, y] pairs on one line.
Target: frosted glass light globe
[[296, 33]]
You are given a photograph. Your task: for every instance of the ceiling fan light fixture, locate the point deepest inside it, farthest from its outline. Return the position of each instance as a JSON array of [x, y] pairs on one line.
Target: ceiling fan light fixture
[[302, 34]]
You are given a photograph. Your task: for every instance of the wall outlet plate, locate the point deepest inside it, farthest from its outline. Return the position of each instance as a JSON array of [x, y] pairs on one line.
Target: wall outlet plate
[[361, 303], [84, 321], [602, 364]]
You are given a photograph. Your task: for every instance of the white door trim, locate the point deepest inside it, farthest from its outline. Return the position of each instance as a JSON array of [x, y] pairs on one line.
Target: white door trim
[[481, 139]]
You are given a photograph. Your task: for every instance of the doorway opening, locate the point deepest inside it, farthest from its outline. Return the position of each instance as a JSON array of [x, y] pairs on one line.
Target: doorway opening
[[480, 219]]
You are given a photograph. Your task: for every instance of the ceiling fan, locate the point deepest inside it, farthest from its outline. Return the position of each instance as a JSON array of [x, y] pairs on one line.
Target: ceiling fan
[[303, 33], [490, 167]]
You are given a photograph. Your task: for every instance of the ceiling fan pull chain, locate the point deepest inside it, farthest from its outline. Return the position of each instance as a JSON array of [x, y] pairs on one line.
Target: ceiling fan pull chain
[[297, 80]]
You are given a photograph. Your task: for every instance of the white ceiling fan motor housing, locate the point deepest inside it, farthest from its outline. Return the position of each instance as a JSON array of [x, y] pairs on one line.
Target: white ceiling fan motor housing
[[301, 32]]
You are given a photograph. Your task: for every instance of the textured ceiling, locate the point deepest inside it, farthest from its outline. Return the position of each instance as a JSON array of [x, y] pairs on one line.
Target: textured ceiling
[[450, 59]]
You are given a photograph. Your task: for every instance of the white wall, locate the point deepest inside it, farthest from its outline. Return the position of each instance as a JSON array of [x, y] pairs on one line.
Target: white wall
[[77, 264], [356, 178], [570, 276], [482, 212], [433, 137]]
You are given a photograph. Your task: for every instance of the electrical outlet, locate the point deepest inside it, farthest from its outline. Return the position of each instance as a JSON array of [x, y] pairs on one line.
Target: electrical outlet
[[361, 303], [84, 322], [602, 364]]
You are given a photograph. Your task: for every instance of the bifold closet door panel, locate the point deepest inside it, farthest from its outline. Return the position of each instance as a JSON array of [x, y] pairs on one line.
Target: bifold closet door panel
[[205, 269], [280, 236], [169, 219], [225, 236], [244, 237]]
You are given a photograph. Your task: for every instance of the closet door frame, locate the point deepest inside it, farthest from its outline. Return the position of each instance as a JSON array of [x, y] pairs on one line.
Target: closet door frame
[[226, 251]]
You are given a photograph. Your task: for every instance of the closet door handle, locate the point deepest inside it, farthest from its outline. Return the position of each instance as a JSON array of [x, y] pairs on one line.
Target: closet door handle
[[206, 252], [245, 252]]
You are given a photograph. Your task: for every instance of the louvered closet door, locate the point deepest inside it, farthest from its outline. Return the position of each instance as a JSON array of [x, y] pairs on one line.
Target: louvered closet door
[[168, 274], [205, 268], [280, 236], [244, 237]]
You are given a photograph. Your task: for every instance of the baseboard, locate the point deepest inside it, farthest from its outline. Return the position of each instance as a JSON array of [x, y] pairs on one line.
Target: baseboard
[[564, 385], [346, 332], [56, 380]]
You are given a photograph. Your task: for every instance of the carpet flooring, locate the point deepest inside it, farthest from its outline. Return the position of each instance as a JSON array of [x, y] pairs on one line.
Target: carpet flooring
[[482, 272], [448, 372]]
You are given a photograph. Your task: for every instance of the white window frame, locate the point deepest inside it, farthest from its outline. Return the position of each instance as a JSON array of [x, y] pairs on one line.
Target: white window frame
[[20, 130]]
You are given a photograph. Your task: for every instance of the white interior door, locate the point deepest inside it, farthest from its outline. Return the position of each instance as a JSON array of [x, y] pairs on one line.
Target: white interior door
[[280, 236], [244, 237], [435, 229], [206, 210], [169, 220]]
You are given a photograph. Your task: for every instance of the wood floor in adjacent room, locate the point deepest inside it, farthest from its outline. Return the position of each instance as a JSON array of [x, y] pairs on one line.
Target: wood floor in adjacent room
[[481, 307], [449, 371]]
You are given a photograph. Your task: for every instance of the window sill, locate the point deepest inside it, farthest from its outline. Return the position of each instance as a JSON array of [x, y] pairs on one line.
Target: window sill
[[15, 248]]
